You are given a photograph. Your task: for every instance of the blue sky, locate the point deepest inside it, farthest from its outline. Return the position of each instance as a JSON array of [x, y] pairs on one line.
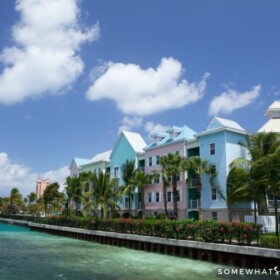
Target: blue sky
[[75, 73]]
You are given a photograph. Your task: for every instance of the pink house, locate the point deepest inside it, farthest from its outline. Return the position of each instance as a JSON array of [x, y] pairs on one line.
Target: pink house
[[171, 141]]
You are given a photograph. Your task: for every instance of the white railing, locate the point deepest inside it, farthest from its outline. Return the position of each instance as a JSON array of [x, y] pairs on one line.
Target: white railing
[[271, 204], [192, 204], [268, 222]]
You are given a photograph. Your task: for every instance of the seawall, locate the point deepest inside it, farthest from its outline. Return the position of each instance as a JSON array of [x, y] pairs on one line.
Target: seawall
[[236, 255]]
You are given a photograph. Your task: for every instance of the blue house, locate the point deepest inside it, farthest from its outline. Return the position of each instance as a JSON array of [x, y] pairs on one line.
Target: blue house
[[129, 146], [220, 145]]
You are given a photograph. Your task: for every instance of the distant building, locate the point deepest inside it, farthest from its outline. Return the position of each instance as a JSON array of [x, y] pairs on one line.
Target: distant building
[[273, 115], [41, 185]]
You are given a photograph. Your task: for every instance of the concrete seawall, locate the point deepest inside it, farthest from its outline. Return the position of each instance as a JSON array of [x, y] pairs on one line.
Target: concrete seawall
[[242, 256]]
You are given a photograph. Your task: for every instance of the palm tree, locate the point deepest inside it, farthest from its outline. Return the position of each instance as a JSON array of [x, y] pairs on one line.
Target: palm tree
[[52, 197], [73, 191], [267, 169], [141, 180], [199, 167], [237, 189], [258, 146], [172, 165], [128, 170], [105, 193]]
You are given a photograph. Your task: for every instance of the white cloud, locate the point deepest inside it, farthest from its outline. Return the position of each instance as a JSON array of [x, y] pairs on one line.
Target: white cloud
[[232, 100], [140, 92], [129, 123], [150, 127], [44, 58], [13, 175]]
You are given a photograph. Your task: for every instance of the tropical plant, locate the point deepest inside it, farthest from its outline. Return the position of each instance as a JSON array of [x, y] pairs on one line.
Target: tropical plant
[[128, 171], [236, 188], [104, 194], [141, 180], [16, 201], [199, 167], [32, 197], [257, 146], [52, 198], [172, 165]]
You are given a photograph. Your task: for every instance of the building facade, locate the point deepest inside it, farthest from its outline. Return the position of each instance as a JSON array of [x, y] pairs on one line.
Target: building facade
[[41, 185], [219, 144]]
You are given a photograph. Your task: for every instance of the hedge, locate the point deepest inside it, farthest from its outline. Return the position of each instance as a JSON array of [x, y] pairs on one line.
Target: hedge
[[269, 241], [208, 231]]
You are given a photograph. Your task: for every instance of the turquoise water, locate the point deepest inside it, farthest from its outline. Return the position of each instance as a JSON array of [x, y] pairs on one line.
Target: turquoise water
[[31, 255]]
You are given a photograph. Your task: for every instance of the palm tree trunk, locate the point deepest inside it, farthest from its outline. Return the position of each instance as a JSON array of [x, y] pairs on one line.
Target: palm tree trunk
[[143, 203], [165, 203], [175, 199], [198, 192]]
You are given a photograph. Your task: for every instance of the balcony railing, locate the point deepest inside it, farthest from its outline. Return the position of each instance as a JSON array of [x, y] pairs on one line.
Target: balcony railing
[[271, 204], [192, 204]]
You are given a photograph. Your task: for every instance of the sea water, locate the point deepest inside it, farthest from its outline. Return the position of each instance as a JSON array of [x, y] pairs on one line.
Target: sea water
[[28, 255]]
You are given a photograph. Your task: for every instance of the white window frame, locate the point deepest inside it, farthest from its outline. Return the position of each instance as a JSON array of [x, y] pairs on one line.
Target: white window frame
[[116, 172], [212, 147]]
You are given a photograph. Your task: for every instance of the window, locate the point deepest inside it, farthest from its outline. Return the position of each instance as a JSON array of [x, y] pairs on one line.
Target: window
[[157, 178], [157, 197], [213, 169], [116, 172], [214, 193], [178, 177], [212, 149], [178, 195], [150, 161], [169, 196], [177, 153], [157, 159], [150, 179], [214, 215], [150, 197]]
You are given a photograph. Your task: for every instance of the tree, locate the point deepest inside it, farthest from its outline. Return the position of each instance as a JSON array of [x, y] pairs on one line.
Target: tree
[[141, 181], [32, 197], [74, 191], [257, 146], [52, 197], [16, 201], [237, 189], [199, 167], [104, 193], [268, 170], [172, 165], [128, 170]]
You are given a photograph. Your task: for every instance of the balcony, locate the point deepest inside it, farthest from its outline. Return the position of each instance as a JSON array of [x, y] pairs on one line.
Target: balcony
[[271, 204], [192, 204]]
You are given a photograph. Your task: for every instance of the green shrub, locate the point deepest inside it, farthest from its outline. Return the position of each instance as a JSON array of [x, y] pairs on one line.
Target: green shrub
[[269, 241]]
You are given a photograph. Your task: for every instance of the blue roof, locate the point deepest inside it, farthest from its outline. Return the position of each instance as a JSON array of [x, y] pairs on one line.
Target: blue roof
[[173, 134]]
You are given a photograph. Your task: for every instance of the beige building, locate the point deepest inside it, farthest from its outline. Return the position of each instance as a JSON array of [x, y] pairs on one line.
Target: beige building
[[41, 185]]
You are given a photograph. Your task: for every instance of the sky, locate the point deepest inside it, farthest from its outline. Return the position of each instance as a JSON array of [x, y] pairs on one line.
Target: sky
[[74, 73]]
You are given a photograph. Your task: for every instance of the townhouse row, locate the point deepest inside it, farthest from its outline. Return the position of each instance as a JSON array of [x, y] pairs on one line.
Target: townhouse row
[[219, 144]]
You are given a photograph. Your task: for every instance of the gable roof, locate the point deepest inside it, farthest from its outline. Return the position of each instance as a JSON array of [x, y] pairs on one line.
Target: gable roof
[[102, 157], [219, 124], [135, 140], [272, 125], [79, 161]]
